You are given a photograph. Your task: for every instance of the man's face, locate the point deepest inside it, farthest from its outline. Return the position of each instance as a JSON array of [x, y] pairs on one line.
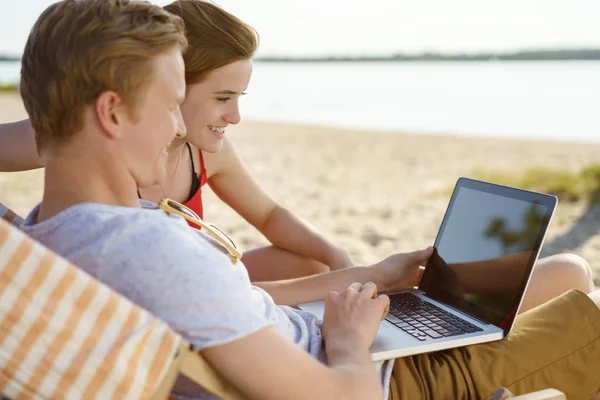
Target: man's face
[[158, 121]]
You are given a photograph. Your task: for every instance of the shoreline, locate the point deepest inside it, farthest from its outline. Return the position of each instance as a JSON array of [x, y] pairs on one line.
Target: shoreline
[[529, 139], [373, 193]]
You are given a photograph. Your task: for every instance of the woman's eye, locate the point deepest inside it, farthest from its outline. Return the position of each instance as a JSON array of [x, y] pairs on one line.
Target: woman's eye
[[224, 99]]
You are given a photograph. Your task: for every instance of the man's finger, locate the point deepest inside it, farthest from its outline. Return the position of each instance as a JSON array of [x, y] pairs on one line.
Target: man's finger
[[370, 289], [331, 295], [356, 286], [385, 300]]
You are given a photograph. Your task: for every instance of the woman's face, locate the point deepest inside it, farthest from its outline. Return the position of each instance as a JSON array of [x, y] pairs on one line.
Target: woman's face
[[211, 105]]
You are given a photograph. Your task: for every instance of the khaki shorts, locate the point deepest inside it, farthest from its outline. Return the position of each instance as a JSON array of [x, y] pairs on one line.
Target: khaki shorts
[[556, 345]]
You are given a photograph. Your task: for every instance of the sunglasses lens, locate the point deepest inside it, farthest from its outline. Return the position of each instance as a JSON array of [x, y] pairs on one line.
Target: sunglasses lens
[[224, 236], [173, 206], [181, 208]]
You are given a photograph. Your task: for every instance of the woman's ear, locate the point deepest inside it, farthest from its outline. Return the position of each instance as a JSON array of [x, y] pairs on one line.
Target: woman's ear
[[110, 113]]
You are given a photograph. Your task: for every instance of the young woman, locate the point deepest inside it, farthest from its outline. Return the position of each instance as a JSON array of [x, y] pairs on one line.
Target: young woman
[[218, 66]]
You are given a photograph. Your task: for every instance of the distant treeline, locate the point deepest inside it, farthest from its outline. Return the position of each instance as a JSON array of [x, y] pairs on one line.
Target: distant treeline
[[9, 57], [534, 55]]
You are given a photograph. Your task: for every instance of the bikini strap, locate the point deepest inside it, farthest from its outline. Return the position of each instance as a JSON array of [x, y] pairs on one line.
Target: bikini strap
[[189, 146], [195, 180]]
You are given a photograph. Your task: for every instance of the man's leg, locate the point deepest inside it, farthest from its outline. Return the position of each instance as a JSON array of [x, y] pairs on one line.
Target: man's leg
[[554, 345]]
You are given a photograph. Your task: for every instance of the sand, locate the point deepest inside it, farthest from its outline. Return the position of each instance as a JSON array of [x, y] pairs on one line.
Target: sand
[[373, 193]]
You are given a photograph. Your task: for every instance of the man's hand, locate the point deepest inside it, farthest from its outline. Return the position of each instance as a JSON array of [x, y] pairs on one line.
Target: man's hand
[[354, 314], [401, 271]]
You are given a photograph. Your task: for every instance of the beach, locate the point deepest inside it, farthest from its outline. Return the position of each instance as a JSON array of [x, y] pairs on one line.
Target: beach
[[372, 193]]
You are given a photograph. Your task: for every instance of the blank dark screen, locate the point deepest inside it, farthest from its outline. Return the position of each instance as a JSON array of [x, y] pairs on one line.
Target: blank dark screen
[[483, 254]]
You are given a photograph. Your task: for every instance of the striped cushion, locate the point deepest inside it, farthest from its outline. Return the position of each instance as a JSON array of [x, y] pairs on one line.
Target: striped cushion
[[64, 334], [8, 215]]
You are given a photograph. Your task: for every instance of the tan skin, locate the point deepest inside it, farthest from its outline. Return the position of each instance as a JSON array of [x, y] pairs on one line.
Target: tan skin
[[297, 250]]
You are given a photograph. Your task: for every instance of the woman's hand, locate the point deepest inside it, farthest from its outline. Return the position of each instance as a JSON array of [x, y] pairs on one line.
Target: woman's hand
[[402, 270]]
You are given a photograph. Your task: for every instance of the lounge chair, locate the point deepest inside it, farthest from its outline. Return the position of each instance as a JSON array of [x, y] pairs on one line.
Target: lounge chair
[[10, 216], [63, 334]]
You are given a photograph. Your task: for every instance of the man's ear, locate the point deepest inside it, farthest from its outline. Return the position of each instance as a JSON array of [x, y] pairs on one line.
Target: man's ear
[[111, 113]]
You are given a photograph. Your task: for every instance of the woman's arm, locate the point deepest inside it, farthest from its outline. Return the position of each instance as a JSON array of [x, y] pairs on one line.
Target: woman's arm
[[232, 182], [18, 151], [398, 271]]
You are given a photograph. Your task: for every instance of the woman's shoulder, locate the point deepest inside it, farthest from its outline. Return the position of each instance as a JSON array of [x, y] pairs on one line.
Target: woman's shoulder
[[221, 161]]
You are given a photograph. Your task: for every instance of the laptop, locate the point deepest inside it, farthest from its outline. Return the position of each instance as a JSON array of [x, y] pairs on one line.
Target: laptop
[[474, 283]]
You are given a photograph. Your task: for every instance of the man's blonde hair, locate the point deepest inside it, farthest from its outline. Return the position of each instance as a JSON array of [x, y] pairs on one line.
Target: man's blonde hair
[[78, 49]]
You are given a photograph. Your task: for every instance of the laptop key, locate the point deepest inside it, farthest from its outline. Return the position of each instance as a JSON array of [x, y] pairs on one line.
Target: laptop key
[[432, 333], [452, 333], [393, 319]]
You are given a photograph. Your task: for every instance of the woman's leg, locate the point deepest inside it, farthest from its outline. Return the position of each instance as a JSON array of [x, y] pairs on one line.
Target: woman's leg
[[272, 263], [555, 275]]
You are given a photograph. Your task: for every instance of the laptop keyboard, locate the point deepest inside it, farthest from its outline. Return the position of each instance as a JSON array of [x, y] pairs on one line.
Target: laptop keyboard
[[424, 320]]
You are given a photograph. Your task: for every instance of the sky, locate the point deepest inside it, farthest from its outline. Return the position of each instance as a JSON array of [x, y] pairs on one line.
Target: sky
[[380, 27]]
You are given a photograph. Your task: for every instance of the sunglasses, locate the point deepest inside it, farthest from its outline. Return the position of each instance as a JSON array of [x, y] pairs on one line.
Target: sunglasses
[[173, 207]]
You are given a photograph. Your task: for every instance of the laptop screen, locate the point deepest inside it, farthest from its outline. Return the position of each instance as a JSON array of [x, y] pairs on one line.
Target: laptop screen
[[486, 248]]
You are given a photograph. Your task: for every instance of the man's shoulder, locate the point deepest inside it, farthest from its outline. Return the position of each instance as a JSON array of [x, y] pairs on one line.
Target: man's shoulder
[[95, 224], [97, 214]]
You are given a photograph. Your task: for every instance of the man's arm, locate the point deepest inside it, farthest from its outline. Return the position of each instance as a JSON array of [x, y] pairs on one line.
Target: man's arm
[[265, 365], [18, 151], [401, 271], [315, 287], [214, 306]]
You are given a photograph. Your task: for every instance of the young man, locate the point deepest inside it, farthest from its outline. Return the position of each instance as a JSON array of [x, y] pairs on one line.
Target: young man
[[102, 75]]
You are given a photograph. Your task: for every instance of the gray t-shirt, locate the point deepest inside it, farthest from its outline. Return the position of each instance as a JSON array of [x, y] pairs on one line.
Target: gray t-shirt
[[177, 273]]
